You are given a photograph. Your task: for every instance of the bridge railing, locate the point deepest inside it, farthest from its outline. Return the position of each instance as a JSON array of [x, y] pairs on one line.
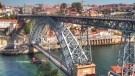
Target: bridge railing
[[104, 17]]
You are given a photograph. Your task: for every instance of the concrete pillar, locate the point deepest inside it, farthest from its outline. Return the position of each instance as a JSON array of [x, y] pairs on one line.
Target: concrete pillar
[[98, 42], [94, 42], [84, 70], [101, 41], [91, 42]]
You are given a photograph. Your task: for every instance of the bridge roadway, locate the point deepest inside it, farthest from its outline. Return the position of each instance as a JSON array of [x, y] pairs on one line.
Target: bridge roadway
[[124, 24], [52, 58]]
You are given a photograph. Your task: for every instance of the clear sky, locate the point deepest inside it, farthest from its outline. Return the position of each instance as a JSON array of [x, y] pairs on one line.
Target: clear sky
[[52, 2]]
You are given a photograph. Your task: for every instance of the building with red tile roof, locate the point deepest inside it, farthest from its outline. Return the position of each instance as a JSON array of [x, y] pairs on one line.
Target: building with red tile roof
[[73, 11], [92, 13], [4, 23], [46, 7], [57, 6]]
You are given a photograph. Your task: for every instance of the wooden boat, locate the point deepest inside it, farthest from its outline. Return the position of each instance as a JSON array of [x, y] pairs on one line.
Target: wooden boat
[[33, 60]]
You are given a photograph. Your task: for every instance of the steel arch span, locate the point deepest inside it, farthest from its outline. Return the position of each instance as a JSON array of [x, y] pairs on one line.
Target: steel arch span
[[71, 50]]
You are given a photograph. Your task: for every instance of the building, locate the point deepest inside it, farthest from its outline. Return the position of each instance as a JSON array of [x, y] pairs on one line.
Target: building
[[73, 11], [57, 6], [5, 23], [27, 9], [93, 13]]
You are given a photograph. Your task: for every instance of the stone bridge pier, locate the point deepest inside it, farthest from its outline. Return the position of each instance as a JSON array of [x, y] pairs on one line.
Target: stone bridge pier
[[84, 70], [32, 50]]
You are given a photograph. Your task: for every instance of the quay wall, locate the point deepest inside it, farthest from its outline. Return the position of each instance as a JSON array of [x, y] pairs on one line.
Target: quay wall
[[94, 42], [102, 41]]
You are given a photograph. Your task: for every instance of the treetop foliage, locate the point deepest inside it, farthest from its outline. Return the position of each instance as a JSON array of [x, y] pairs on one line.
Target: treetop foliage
[[63, 5], [27, 27], [78, 6], [45, 69], [0, 5]]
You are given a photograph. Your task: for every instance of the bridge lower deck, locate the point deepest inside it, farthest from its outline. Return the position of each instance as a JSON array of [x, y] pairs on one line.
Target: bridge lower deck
[[52, 58]]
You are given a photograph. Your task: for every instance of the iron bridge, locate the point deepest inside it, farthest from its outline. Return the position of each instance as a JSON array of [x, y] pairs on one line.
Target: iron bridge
[[73, 52]]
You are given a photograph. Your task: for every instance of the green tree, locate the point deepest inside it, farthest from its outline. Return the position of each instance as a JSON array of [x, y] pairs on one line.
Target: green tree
[[45, 69], [27, 27], [63, 6], [0, 5], [6, 17], [78, 6], [12, 16]]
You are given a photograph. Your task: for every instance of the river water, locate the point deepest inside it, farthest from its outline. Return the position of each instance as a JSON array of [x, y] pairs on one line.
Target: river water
[[20, 65], [103, 57]]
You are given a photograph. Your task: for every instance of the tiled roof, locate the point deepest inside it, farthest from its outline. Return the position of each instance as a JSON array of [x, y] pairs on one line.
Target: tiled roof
[[9, 20], [47, 7]]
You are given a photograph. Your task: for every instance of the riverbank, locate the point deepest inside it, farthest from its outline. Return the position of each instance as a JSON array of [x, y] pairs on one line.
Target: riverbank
[[55, 45], [93, 42], [18, 52]]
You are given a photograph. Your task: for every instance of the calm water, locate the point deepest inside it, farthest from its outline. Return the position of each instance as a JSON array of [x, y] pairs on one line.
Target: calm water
[[20, 65], [103, 57]]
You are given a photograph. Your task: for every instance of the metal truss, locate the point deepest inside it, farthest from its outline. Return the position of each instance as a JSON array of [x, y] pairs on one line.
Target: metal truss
[[126, 58], [110, 23], [85, 41], [117, 24], [71, 50]]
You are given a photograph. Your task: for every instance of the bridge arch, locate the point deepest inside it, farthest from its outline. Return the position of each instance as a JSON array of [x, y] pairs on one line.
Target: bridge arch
[[71, 50]]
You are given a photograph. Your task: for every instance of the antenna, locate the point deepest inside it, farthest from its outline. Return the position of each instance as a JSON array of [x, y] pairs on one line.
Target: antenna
[[82, 5], [82, 2]]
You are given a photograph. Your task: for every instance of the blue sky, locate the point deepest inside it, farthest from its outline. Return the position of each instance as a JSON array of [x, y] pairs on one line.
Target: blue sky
[[52, 2]]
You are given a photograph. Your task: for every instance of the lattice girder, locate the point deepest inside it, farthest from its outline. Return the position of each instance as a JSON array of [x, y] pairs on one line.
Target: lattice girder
[[126, 54], [71, 50]]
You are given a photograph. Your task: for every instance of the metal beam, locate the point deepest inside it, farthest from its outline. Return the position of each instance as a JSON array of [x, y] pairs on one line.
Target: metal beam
[[71, 50]]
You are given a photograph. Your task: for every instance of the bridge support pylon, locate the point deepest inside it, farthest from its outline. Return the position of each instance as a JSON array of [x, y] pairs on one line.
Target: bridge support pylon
[[32, 50], [84, 70]]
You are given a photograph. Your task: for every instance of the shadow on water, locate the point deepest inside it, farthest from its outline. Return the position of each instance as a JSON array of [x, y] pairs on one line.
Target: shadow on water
[[16, 66]]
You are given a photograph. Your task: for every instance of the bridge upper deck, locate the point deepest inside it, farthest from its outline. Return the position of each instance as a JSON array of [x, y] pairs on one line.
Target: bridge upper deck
[[123, 24], [79, 17]]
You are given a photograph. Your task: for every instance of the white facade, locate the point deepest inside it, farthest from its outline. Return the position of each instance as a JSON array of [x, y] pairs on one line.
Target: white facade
[[27, 10], [5, 24]]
